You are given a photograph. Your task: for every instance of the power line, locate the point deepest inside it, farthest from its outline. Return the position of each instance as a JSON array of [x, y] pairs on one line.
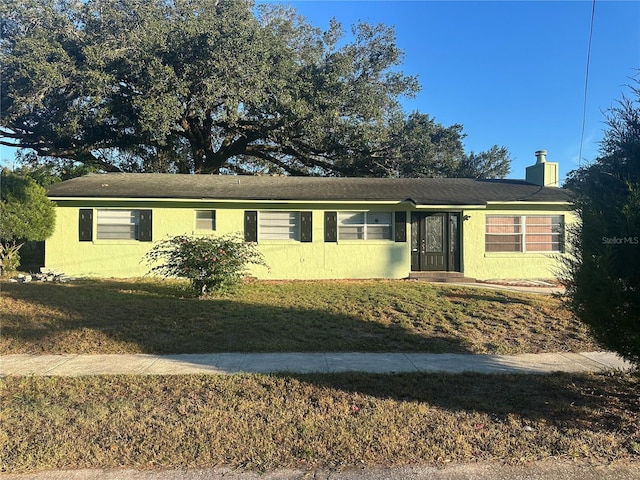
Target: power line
[[586, 82]]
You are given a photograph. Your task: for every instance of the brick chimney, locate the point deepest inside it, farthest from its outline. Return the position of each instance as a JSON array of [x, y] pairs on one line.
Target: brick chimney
[[543, 173]]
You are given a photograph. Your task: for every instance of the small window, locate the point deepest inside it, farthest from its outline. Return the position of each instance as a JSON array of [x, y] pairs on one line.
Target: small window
[[118, 224], [277, 225], [535, 233], [205, 219], [365, 225]]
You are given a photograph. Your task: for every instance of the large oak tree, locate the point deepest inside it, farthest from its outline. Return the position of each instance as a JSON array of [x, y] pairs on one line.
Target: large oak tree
[[207, 86]]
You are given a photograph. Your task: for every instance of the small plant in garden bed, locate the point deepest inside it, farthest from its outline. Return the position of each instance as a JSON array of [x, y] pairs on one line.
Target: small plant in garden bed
[[210, 264]]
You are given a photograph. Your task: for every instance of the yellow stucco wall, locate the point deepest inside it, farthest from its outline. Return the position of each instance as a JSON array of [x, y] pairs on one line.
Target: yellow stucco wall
[[286, 259]]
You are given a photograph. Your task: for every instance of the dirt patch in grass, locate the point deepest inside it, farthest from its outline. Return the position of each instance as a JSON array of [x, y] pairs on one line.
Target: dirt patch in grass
[[148, 316], [265, 422]]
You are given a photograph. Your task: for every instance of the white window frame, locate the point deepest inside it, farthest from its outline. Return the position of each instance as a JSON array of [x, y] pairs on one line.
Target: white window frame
[[278, 225], [205, 220], [362, 225], [525, 232], [117, 224]]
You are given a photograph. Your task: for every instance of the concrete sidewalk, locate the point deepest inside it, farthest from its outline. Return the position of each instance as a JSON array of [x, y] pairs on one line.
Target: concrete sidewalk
[[232, 363], [547, 469]]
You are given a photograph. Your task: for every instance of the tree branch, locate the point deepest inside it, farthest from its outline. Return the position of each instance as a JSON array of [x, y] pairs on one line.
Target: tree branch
[[285, 166]]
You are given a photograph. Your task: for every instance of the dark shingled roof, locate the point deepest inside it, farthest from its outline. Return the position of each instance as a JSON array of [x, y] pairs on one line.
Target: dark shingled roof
[[421, 191]]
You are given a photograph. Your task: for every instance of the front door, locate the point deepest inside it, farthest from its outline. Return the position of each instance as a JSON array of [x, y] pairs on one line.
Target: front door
[[435, 242]]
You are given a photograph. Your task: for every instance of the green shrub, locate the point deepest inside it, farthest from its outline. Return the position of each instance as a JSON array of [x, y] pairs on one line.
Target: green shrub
[[211, 264], [602, 276], [26, 214]]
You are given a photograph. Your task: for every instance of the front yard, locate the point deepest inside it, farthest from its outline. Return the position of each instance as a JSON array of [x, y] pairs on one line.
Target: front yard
[[264, 422], [149, 316]]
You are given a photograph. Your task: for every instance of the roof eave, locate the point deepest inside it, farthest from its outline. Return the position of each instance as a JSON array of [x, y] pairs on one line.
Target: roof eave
[[530, 202], [221, 200], [449, 207]]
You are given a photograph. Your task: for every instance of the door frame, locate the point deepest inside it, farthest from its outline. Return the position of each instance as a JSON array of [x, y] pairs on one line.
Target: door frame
[[452, 239]]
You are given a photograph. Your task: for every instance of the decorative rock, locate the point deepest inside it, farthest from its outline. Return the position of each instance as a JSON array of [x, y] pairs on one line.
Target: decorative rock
[[45, 275]]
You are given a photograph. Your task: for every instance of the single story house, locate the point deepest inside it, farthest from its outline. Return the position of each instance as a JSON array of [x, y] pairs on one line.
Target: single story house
[[319, 227]]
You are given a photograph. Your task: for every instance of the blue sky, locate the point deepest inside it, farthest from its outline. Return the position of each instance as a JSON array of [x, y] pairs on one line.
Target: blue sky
[[511, 72]]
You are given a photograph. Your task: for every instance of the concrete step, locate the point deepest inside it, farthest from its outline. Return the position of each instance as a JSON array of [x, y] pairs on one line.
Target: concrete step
[[442, 277]]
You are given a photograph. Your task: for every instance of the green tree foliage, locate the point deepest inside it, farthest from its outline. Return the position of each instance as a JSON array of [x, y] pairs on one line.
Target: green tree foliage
[[211, 264], [603, 277], [494, 163], [26, 214], [91, 80], [47, 171], [208, 85], [421, 147]]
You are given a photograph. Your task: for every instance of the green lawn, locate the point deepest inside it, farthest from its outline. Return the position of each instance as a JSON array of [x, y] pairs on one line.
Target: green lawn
[[149, 316]]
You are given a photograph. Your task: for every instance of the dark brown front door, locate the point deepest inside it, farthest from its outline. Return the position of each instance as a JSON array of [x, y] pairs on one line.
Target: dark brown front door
[[435, 242]]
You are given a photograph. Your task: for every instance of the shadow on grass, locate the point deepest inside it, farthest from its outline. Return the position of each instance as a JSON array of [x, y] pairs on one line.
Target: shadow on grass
[[265, 423], [112, 316], [596, 403], [152, 317]]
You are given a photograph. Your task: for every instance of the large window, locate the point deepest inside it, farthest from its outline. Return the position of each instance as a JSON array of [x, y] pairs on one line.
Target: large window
[[365, 225], [277, 225], [523, 233], [118, 224]]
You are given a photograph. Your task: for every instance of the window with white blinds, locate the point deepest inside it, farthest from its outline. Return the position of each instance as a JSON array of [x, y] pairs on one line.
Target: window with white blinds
[[118, 224], [365, 225], [279, 225]]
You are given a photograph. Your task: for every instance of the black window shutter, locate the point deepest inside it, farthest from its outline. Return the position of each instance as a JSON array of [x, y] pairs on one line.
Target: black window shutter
[[306, 227], [250, 226], [145, 229], [330, 226], [401, 226], [85, 225]]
